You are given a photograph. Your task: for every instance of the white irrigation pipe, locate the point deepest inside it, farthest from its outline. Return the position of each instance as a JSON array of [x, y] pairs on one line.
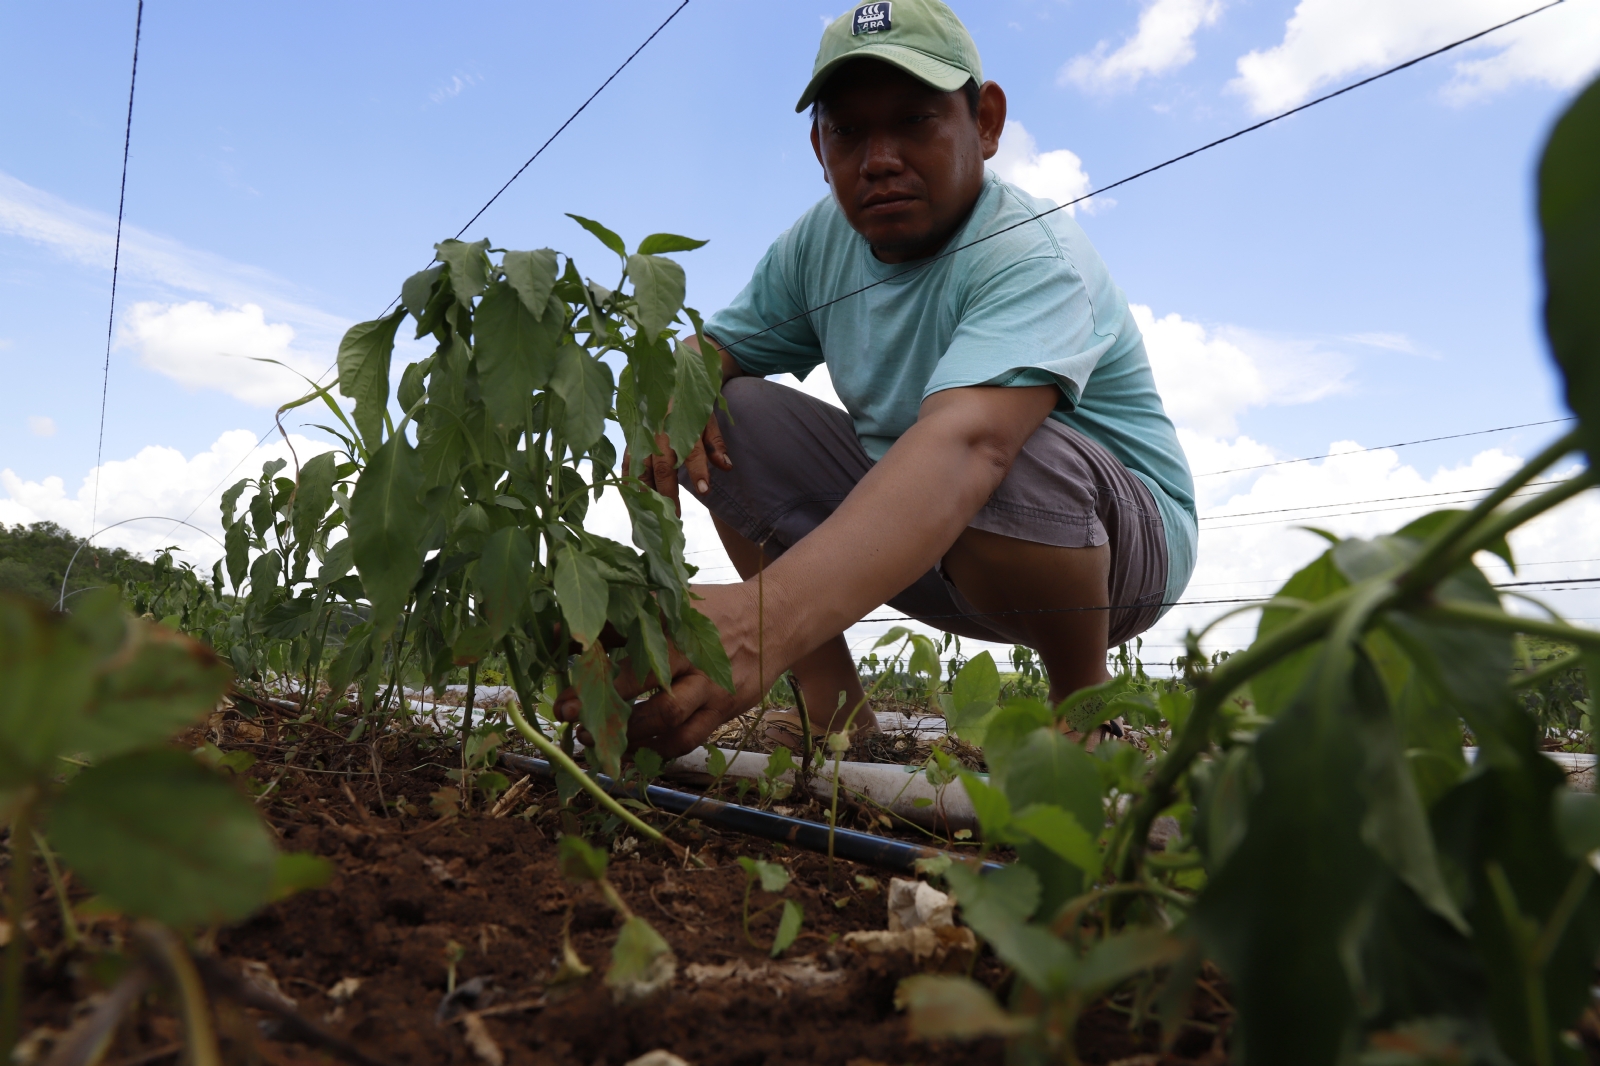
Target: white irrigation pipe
[[61, 601]]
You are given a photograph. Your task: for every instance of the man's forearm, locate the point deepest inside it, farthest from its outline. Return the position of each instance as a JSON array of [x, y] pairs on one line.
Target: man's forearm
[[901, 518], [730, 368]]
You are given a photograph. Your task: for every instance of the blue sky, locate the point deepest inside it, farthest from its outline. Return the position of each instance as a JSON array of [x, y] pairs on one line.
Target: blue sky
[[1364, 272]]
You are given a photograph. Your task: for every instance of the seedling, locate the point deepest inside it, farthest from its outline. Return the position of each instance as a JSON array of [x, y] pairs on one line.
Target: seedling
[[642, 962], [773, 878]]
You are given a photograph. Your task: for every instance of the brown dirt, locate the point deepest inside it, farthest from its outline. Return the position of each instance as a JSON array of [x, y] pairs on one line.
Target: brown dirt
[[411, 889]]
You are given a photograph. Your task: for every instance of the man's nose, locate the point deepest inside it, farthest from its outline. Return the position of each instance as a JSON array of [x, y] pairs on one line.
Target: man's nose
[[882, 156]]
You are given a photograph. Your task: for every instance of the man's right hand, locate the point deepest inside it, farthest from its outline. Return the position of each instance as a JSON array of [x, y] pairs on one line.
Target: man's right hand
[[660, 470]]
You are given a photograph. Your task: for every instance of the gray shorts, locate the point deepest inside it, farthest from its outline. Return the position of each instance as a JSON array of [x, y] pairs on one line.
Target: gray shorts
[[797, 458]]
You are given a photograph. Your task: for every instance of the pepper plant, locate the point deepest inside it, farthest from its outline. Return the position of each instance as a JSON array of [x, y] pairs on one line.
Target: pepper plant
[[450, 525], [1370, 894]]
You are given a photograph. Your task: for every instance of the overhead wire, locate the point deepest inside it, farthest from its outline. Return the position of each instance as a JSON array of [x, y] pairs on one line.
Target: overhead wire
[[1382, 447], [1324, 98], [116, 265], [476, 215]]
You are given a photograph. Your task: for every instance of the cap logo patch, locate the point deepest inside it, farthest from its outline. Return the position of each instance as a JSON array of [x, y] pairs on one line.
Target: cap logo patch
[[871, 18]]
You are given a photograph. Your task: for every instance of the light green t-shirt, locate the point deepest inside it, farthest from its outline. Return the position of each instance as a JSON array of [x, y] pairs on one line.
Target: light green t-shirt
[[1033, 305]]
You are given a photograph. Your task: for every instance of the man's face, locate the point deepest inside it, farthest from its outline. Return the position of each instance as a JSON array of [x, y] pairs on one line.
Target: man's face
[[905, 160]]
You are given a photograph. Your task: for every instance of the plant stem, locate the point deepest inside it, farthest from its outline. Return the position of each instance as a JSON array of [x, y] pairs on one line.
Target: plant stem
[[1494, 618], [69, 924], [563, 760], [1503, 523], [198, 1030], [1438, 557], [1311, 625], [19, 895], [466, 735], [1553, 668]]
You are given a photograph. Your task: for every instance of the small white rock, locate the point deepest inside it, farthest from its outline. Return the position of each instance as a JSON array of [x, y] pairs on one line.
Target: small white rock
[[658, 1057], [917, 903]]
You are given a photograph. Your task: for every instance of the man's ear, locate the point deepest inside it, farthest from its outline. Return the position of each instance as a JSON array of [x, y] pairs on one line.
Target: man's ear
[[991, 118], [816, 146]]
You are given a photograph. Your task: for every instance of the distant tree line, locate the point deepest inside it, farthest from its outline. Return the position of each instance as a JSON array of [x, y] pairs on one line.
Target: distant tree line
[[33, 558]]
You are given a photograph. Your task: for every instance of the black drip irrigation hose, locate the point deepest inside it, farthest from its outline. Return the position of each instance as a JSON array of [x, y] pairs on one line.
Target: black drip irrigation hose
[[864, 848]]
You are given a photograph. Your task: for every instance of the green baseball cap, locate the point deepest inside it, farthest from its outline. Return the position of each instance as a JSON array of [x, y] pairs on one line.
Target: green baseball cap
[[921, 37]]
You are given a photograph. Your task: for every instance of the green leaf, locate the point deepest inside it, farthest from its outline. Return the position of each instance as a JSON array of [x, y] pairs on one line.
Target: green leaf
[[659, 243], [578, 861], [157, 684], [313, 498], [386, 516], [924, 658], [582, 594], [1116, 958], [991, 806], [1010, 894], [46, 679], [237, 541], [774, 877], [162, 837], [697, 637], [533, 275], [1274, 687], [1569, 217], [585, 387], [603, 712], [648, 764], [503, 571], [894, 634], [1577, 816], [469, 267], [1048, 768], [1039, 957], [230, 499], [1423, 529], [515, 352], [789, 923], [300, 871], [1061, 833], [641, 962], [694, 398], [1010, 728], [606, 237], [954, 1008], [364, 356], [418, 289], [658, 290], [973, 694]]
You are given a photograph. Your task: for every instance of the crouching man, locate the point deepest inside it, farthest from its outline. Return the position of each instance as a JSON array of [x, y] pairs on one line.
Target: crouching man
[[1003, 469]]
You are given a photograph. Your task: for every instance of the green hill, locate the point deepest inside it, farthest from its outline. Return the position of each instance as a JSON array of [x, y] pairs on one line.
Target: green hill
[[33, 558]]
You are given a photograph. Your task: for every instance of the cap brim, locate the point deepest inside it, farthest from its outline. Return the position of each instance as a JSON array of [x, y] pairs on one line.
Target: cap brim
[[943, 76]]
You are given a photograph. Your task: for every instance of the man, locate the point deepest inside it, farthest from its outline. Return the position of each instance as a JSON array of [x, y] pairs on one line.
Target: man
[[1005, 470]]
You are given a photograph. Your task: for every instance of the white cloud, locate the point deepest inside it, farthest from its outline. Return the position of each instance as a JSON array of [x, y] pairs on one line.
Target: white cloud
[[457, 84], [1328, 40], [1253, 553], [156, 481], [1208, 377], [202, 346], [1164, 41], [1057, 175], [1394, 342], [87, 237], [41, 425]]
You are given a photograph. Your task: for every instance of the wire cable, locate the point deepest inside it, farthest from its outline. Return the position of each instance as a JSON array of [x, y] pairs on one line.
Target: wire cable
[[116, 263], [947, 253], [570, 118], [1380, 447], [476, 215]]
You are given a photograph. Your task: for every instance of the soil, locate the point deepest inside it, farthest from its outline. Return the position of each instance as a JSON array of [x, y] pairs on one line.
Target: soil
[[368, 957]]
